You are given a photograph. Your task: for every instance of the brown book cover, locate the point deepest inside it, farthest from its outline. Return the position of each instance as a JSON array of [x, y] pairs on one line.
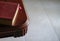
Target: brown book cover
[[20, 20], [8, 13]]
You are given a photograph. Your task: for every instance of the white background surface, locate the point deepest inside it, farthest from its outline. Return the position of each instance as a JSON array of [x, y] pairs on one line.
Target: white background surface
[[44, 21]]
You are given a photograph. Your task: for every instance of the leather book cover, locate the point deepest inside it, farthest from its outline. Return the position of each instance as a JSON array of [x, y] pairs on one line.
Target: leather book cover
[[20, 20], [8, 12]]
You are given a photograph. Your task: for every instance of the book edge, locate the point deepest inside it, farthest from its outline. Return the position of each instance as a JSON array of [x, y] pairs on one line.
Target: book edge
[[14, 18]]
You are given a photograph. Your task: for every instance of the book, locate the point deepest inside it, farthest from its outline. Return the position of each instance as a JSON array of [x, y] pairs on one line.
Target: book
[[5, 29], [8, 12]]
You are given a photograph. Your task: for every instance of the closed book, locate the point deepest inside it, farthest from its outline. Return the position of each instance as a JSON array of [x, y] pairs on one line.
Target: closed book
[[19, 25], [8, 12]]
